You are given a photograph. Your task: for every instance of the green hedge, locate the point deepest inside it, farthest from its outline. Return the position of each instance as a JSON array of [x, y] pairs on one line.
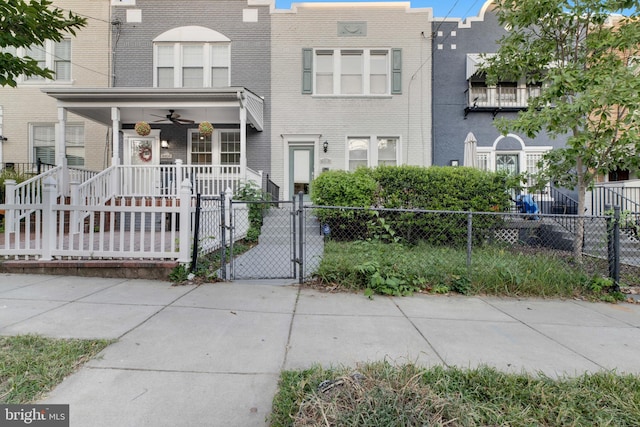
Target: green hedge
[[409, 187]]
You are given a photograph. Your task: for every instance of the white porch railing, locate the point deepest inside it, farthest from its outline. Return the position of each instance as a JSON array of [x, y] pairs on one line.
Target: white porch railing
[[625, 194], [206, 180], [128, 227], [27, 194], [123, 212]]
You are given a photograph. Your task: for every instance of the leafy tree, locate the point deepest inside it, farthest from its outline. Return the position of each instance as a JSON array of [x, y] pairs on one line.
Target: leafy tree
[[585, 56], [28, 23]]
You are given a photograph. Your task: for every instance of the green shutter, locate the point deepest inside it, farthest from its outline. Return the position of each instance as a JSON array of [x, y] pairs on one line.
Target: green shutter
[[307, 70], [396, 71]]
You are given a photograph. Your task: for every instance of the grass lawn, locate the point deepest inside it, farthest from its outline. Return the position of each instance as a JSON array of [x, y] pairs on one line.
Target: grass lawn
[[396, 269], [379, 394], [31, 366]]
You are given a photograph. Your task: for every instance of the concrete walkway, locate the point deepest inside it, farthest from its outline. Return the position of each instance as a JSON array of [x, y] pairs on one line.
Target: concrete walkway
[[211, 355]]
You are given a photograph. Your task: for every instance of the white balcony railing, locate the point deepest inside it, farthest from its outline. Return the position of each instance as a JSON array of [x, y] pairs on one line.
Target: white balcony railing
[[501, 96]]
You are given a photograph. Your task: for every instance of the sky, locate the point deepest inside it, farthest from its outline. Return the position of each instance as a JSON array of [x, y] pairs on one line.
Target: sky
[[441, 8]]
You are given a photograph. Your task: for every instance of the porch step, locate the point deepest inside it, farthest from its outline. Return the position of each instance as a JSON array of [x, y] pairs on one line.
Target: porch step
[[125, 269]]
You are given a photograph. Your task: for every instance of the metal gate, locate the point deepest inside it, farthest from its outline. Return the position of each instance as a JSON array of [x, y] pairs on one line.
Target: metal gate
[[262, 240]]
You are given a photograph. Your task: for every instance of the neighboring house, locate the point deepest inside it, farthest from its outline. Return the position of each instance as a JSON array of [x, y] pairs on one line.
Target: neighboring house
[[464, 103], [28, 117], [351, 86], [620, 187], [176, 65]]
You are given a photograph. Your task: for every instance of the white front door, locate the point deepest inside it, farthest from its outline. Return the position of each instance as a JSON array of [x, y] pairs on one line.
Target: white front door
[[141, 153]]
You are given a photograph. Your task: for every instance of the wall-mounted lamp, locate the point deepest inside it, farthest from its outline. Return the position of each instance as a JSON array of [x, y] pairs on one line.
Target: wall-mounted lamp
[[325, 146], [454, 163], [3, 138], [164, 143]]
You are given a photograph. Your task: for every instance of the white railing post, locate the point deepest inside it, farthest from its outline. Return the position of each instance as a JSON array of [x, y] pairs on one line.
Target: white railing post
[[49, 196], [10, 199], [74, 222], [115, 180], [185, 222], [179, 173]]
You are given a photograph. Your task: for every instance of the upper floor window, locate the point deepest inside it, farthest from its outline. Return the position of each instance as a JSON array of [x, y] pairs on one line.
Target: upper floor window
[[55, 56], [191, 57], [352, 71]]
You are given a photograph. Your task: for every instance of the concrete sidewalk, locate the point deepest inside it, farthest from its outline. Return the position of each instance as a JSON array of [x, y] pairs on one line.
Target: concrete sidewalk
[[211, 355]]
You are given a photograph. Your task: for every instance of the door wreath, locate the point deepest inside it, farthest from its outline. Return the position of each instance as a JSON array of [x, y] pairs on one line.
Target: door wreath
[[144, 151]]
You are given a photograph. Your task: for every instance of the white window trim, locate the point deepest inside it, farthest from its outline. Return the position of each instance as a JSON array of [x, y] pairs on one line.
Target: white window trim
[[49, 48], [55, 132], [372, 152], [215, 147], [178, 64], [525, 150], [366, 73]]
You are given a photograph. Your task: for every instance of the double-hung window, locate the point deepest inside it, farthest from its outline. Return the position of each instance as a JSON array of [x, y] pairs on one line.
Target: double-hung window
[[55, 56], [352, 71], [191, 65], [222, 147], [192, 69], [372, 151], [219, 59], [43, 142]]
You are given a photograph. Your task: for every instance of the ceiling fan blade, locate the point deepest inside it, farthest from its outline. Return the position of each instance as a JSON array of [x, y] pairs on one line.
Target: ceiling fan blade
[[185, 121], [155, 115]]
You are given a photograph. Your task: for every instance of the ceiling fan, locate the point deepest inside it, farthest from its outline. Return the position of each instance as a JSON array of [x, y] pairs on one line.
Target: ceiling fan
[[174, 118]]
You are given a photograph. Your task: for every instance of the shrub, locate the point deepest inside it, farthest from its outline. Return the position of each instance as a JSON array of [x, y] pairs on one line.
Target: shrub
[[251, 192], [410, 187], [440, 188], [9, 173], [348, 189]]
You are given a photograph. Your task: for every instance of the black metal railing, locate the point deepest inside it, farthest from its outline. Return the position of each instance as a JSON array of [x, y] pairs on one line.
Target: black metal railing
[[26, 168], [272, 189]]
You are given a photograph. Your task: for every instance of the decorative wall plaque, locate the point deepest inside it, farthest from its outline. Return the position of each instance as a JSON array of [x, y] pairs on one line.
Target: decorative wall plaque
[[352, 29]]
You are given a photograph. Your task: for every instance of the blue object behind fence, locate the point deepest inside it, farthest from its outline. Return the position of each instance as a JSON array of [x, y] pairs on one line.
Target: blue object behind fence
[[526, 204]]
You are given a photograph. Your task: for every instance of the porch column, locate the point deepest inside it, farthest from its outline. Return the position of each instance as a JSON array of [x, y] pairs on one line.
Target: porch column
[[115, 136], [61, 143], [61, 151]]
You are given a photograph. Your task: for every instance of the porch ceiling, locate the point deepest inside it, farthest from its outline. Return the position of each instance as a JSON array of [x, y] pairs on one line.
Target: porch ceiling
[[144, 104]]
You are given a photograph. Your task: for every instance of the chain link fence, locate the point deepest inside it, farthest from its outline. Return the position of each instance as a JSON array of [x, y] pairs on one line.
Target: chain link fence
[[608, 245], [262, 237]]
